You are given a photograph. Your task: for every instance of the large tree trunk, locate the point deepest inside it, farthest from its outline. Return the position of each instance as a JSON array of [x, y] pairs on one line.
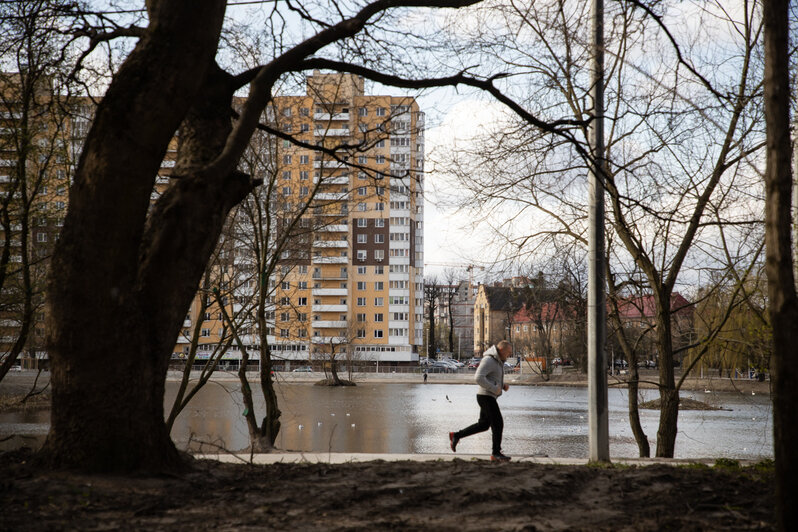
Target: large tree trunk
[[779, 266], [118, 290]]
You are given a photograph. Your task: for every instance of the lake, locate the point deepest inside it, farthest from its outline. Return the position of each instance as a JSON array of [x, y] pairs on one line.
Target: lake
[[416, 418]]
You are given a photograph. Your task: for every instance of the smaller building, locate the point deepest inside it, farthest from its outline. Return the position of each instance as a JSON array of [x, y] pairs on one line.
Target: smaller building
[[494, 310]]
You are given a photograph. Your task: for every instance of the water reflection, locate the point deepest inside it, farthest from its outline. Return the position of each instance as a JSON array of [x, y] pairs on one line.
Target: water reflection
[[415, 418]]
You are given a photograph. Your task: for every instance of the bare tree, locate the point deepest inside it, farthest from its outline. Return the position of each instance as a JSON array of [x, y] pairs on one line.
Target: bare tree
[[664, 194], [123, 274], [34, 148], [432, 295], [450, 280], [783, 301]]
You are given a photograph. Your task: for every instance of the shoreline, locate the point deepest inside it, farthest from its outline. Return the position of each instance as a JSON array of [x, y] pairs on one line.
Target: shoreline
[[17, 385]]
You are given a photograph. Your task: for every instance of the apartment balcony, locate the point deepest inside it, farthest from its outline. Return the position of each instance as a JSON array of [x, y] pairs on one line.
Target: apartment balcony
[[331, 277], [331, 196], [330, 260], [332, 132], [334, 228], [329, 292], [328, 340], [329, 308], [329, 324], [329, 164], [330, 244], [332, 180], [330, 116]]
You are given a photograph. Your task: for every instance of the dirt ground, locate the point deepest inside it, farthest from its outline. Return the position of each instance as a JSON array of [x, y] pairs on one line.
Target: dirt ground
[[378, 495]]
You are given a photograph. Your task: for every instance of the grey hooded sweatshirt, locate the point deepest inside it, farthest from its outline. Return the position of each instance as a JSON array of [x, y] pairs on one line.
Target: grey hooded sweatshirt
[[490, 373]]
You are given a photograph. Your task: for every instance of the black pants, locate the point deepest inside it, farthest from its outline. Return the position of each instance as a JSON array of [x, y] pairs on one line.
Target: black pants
[[490, 417]]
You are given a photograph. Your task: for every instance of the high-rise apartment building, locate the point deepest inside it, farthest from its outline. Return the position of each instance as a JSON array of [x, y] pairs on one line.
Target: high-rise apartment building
[[355, 284], [349, 185]]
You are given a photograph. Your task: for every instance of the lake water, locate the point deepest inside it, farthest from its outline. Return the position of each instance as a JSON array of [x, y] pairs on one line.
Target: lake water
[[416, 418]]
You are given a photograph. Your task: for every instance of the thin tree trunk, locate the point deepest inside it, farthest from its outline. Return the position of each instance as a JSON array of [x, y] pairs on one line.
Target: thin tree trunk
[[669, 395]]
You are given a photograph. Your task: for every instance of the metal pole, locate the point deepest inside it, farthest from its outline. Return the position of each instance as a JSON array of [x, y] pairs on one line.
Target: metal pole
[[598, 421]]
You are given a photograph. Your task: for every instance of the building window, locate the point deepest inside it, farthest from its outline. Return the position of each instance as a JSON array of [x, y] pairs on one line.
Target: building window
[[362, 222], [361, 254], [287, 174], [379, 239], [41, 237], [378, 316], [379, 301], [379, 222], [361, 302], [283, 333], [361, 285], [380, 111], [379, 159], [286, 159], [361, 239], [378, 333], [304, 111], [362, 111], [302, 301], [361, 191], [361, 318], [361, 333], [206, 332], [378, 270], [379, 254], [304, 159], [378, 285], [361, 207]]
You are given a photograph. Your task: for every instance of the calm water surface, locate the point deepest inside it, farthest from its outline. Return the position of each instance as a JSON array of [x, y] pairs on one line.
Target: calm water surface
[[415, 418]]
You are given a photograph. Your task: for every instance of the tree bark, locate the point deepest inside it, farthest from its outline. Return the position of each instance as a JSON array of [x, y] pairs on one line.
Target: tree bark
[[669, 394], [782, 297], [117, 294]]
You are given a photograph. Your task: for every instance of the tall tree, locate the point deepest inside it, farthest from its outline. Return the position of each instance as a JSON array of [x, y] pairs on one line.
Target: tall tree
[[665, 194], [432, 300], [123, 273], [783, 302]]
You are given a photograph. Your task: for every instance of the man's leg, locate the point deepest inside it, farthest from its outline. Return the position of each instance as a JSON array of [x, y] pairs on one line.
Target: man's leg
[[483, 424], [496, 425]]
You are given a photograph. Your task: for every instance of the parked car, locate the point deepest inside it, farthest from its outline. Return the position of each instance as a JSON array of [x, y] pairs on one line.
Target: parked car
[[473, 365], [302, 369], [441, 366]]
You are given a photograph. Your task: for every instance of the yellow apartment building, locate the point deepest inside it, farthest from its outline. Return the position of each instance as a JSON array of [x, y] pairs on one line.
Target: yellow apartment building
[[352, 280]]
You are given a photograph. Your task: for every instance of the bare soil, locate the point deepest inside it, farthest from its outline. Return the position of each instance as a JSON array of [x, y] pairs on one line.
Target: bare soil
[[442, 496]]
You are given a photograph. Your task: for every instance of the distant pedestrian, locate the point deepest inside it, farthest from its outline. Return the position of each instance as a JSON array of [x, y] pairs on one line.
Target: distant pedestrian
[[490, 378], [425, 376]]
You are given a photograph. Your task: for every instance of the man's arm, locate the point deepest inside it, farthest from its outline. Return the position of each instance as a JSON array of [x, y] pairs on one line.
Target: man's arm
[[482, 374]]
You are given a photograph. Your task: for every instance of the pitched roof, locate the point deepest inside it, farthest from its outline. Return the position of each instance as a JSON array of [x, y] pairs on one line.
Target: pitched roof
[[502, 297]]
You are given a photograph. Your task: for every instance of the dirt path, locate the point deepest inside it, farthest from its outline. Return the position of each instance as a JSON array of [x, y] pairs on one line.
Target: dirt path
[[439, 496]]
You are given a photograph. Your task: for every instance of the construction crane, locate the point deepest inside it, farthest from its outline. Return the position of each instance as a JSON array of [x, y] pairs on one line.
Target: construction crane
[[468, 267]]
